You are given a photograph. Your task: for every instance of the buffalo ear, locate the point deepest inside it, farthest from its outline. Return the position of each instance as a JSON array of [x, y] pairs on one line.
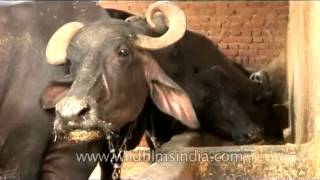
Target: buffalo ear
[[167, 95], [52, 94]]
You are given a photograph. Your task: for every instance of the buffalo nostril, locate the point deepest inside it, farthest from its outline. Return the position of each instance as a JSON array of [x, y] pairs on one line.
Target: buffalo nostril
[[84, 111]]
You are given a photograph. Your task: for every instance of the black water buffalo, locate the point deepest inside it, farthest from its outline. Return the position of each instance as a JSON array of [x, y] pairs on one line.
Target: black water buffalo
[[108, 77], [26, 151], [194, 62], [115, 79], [111, 75], [222, 89], [27, 148]]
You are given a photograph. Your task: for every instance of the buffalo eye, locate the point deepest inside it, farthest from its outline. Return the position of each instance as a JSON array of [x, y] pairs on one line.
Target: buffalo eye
[[123, 52]]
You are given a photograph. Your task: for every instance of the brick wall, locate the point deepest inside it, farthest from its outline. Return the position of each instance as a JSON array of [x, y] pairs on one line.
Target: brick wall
[[250, 33]]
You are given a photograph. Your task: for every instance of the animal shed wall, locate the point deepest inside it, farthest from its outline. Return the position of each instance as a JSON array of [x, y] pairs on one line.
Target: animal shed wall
[[249, 33]]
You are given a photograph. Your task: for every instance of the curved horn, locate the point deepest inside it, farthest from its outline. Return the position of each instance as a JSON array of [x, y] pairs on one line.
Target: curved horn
[[176, 26], [56, 51]]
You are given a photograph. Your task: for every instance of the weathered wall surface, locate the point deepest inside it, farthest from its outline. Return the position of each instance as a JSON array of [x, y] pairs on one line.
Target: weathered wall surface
[[250, 33]]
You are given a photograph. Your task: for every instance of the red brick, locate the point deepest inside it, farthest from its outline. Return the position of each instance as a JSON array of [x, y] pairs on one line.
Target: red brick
[[207, 12], [282, 10], [233, 46], [192, 18], [221, 18], [283, 17], [278, 44], [202, 31], [271, 16], [225, 11], [257, 4], [257, 39], [257, 32], [221, 4], [266, 32], [254, 47], [211, 4], [224, 33], [277, 32], [272, 52], [114, 4], [247, 39], [198, 25], [277, 24], [237, 5], [205, 18], [279, 4], [216, 39], [243, 46], [246, 32], [268, 39], [191, 11], [183, 5], [193, 26], [217, 24], [235, 32], [257, 17], [138, 8], [232, 39], [274, 55], [206, 26], [235, 25], [229, 52], [264, 52], [198, 5], [251, 25], [248, 52], [222, 46], [264, 12], [237, 18], [259, 22], [263, 46], [206, 33], [213, 32], [262, 58], [225, 24], [246, 11]]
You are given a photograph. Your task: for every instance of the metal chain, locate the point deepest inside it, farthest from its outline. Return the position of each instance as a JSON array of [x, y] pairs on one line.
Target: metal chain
[[116, 174], [152, 135], [118, 151]]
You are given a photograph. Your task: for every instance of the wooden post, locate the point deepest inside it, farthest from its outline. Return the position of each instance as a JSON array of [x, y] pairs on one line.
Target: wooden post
[[303, 67]]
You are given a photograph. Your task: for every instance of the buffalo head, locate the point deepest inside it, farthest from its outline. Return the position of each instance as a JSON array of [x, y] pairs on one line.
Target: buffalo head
[[113, 74]]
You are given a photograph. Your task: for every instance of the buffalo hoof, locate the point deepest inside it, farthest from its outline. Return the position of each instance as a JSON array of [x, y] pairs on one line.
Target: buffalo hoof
[[249, 135]]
